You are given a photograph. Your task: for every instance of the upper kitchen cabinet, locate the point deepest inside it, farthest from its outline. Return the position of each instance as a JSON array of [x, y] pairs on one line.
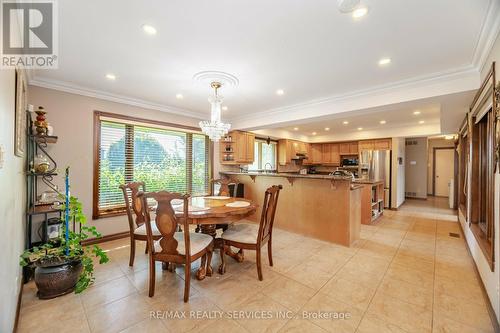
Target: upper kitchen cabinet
[[289, 150], [379, 144], [348, 148], [330, 154], [316, 155], [237, 148]]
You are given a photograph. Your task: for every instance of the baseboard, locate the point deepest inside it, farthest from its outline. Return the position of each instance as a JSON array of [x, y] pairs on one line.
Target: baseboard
[[415, 198], [491, 312], [18, 308], [106, 238]]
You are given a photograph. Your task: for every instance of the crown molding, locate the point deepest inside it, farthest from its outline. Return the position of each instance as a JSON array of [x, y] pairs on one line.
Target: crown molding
[[89, 92], [445, 82], [487, 36]]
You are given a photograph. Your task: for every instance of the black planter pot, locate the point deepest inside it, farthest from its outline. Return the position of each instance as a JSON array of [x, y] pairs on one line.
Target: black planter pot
[[57, 279]]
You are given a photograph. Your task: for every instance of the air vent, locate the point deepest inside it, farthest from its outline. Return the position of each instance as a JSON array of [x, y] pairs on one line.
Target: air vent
[[411, 142], [454, 234], [411, 194]]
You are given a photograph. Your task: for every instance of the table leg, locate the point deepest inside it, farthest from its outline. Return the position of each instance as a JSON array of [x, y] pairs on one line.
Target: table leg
[[208, 229]]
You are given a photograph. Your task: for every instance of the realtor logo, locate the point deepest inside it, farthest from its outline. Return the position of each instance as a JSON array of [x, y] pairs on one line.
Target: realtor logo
[[29, 34]]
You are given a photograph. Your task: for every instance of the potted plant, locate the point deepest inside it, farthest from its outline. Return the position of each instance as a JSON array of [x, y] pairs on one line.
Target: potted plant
[[63, 264]]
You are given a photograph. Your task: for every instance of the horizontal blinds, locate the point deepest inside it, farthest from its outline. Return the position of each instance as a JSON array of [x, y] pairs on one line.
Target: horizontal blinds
[[164, 159], [111, 165], [200, 167], [160, 159], [269, 155]]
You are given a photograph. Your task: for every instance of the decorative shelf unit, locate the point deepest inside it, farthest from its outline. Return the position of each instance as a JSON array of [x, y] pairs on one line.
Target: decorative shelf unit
[[37, 145]]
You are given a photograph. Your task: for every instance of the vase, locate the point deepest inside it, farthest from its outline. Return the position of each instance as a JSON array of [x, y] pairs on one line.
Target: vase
[[57, 279]]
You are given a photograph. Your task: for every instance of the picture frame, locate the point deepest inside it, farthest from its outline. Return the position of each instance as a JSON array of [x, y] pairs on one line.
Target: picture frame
[[21, 102]]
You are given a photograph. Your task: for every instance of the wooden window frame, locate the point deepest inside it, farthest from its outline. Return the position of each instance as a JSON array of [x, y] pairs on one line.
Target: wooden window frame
[[483, 157], [463, 169], [98, 214], [259, 142]]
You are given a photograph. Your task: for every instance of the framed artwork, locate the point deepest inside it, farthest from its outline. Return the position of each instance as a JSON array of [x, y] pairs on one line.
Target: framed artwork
[[20, 117]]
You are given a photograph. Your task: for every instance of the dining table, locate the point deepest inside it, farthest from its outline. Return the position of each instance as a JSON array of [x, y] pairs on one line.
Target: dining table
[[208, 212]]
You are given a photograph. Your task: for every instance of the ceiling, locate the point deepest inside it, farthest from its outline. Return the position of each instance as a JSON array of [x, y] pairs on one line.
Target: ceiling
[[307, 48]]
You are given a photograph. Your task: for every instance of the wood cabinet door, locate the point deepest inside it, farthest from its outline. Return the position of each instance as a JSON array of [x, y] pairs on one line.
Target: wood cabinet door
[[382, 144], [316, 153], [366, 145], [335, 153], [326, 153], [250, 147], [240, 153], [308, 160], [345, 148], [353, 148]]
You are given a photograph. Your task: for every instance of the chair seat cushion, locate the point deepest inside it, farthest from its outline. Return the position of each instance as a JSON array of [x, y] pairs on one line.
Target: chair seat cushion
[[242, 233], [142, 230], [198, 242]]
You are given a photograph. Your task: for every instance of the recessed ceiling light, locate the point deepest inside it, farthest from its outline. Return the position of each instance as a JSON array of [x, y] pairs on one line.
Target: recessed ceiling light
[[384, 61], [416, 113], [111, 77], [280, 92], [314, 133], [382, 122], [149, 29], [179, 96], [345, 122], [360, 128], [224, 108], [421, 122], [295, 128], [327, 128], [359, 12]]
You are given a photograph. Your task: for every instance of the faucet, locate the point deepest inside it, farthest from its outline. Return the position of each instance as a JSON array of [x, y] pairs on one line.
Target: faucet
[[270, 167]]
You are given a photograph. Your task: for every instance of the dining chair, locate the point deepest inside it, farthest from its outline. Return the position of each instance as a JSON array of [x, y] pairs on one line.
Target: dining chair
[[134, 207], [174, 246], [223, 191], [252, 236]]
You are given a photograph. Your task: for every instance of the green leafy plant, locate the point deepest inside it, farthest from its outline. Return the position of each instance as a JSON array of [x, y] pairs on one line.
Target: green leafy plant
[[59, 251]]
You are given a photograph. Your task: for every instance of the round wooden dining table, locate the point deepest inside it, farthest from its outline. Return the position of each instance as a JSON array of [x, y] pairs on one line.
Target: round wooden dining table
[[208, 212]]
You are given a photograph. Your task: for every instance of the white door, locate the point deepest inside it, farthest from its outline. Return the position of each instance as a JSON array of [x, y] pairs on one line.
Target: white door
[[444, 171]]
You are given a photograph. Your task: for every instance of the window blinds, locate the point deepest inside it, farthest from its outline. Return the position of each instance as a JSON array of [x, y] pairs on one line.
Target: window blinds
[[164, 159]]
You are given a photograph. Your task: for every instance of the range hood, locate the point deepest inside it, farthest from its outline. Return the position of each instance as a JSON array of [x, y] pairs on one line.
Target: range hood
[[299, 156]]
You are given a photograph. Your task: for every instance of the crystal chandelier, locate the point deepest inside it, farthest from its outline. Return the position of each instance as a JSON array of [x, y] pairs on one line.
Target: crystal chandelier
[[215, 128]]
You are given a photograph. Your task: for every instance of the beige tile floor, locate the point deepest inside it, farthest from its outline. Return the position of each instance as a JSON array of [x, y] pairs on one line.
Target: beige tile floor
[[405, 275]]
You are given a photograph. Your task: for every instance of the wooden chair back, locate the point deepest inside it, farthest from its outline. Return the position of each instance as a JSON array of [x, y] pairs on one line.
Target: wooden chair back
[[166, 221], [224, 186], [268, 212], [133, 204]]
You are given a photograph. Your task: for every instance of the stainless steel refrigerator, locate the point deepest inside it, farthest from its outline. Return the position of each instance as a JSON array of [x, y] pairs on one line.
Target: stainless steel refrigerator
[[376, 165]]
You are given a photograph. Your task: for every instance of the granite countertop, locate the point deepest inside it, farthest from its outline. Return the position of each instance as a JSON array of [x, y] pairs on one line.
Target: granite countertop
[[286, 175], [367, 181]]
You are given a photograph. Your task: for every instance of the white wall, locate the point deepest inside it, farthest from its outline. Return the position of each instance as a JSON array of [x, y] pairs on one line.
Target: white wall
[[398, 172], [12, 206], [416, 168], [72, 118], [491, 279]]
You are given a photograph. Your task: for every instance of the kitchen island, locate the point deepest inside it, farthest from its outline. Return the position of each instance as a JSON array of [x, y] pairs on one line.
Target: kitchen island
[[319, 206]]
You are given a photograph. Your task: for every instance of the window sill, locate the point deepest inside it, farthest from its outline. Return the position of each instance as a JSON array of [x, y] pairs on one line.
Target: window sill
[[484, 244], [102, 215]]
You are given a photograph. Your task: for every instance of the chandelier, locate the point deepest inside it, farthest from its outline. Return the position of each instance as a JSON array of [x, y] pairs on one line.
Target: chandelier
[[215, 129]]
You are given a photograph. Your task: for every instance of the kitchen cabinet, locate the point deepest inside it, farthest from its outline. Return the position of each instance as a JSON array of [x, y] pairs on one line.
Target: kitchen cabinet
[[379, 144], [331, 154], [384, 144], [237, 148], [348, 148], [288, 149], [345, 148], [316, 155], [353, 148]]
